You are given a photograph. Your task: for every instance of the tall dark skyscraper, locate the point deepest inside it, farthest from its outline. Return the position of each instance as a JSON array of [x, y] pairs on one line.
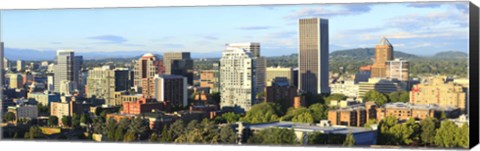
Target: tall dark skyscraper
[[313, 56], [179, 63]]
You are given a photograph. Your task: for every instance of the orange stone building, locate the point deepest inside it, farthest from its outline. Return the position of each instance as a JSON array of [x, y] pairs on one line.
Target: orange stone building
[[355, 115], [383, 53]]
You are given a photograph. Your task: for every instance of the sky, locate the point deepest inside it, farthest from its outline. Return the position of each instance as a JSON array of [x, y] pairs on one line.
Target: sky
[[417, 28]]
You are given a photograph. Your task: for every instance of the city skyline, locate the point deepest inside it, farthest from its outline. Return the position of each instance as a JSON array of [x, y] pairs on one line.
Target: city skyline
[[434, 27]]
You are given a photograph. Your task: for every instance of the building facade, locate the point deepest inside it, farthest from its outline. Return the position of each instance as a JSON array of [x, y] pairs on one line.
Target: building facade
[[101, 84], [405, 111], [66, 68], [313, 56], [439, 91], [171, 89], [210, 79], [380, 85], [15, 81], [179, 63], [260, 62], [237, 78], [140, 106], [273, 72], [383, 53], [347, 88], [144, 70]]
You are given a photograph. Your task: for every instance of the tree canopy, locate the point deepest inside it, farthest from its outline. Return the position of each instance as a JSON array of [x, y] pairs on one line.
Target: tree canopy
[[261, 113]]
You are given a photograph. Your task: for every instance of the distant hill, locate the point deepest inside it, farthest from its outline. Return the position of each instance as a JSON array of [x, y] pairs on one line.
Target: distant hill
[[367, 53], [450, 55]]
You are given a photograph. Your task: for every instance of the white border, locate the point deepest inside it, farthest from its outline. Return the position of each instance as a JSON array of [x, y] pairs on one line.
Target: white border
[[56, 4]]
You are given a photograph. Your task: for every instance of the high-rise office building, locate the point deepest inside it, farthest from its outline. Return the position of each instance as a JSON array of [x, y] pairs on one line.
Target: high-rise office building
[[383, 53], [171, 89], [237, 78], [179, 63], [20, 65], [77, 74], [260, 62], [16, 81], [122, 79], [101, 84], [313, 56], [67, 68], [6, 64], [144, 71]]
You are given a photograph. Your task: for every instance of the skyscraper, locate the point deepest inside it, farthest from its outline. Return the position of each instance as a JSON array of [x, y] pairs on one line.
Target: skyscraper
[[64, 68], [313, 56], [237, 80], [179, 63], [383, 53], [261, 63], [20, 65], [144, 71]]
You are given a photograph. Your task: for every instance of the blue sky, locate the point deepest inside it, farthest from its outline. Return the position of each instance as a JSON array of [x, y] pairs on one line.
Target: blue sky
[[419, 28]]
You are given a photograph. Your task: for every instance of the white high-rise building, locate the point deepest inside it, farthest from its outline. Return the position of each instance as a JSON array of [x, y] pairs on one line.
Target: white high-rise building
[[20, 65], [237, 78], [67, 68], [261, 62]]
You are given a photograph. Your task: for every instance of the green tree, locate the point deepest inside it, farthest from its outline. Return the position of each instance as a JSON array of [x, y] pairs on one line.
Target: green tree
[[85, 119], [166, 135], [119, 134], [445, 136], [34, 133], [377, 97], [177, 129], [319, 111], [261, 113], [75, 121], [305, 117], [278, 136], [227, 135], [110, 129], [130, 136], [335, 96], [231, 117], [399, 96], [67, 121], [386, 136], [52, 121], [139, 127], [9, 117], [461, 137], [428, 130], [349, 140]]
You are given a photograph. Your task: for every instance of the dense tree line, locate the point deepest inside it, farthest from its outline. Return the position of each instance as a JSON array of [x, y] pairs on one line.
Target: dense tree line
[[382, 98], [429, 132]]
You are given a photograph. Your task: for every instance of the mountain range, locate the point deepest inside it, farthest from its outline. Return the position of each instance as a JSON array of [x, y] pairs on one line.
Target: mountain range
[[358, 53]]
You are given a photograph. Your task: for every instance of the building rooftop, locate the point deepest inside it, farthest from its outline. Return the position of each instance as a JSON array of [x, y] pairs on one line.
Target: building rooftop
[[418, 106], [384, 41], [311, 128]]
